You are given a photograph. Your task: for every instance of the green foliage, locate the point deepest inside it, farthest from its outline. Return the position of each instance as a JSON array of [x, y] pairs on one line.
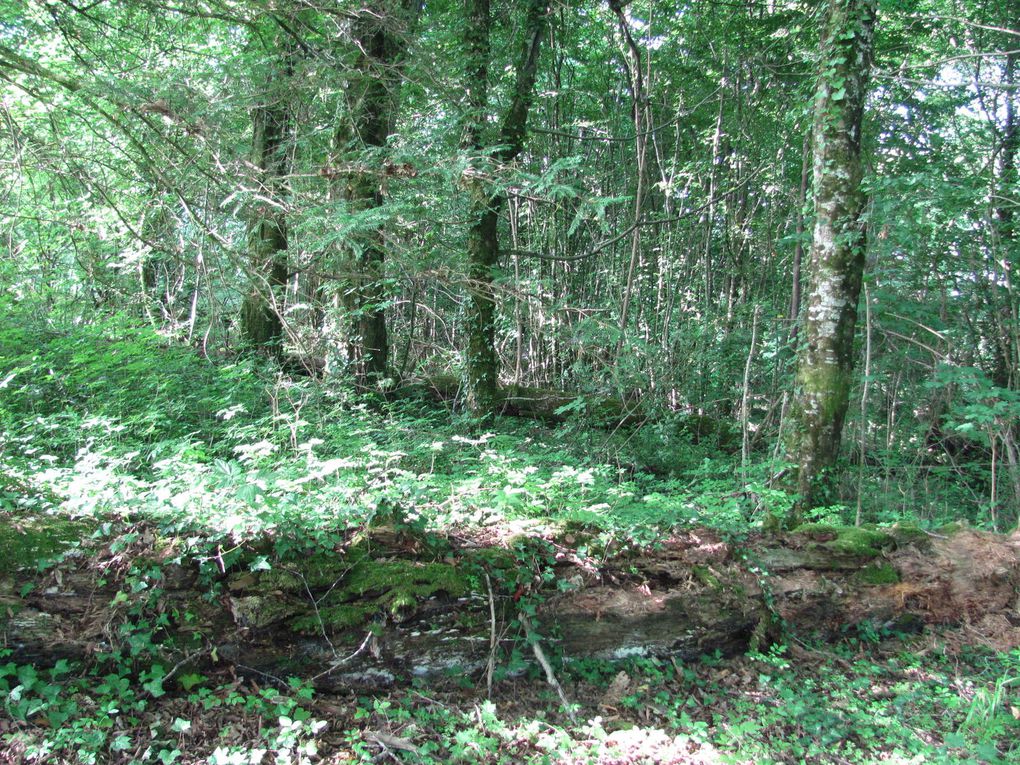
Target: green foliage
[[86, 716], [115, 384], [300, 487], [29, 540]]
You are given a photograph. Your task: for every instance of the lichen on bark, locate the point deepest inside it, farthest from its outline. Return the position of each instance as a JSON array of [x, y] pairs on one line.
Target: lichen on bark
[[836, 268]]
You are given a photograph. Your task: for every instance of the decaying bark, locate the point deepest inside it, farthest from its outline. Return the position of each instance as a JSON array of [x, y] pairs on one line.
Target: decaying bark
[[693, 595]]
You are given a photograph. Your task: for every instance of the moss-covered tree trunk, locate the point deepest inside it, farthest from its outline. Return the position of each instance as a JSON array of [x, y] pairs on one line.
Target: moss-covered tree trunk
[[836, 267], [381, 37], [483, 244], [486, 203], [262, 308]]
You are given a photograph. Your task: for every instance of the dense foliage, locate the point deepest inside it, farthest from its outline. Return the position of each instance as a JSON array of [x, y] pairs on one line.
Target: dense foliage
[[274, 272], [232, 173]]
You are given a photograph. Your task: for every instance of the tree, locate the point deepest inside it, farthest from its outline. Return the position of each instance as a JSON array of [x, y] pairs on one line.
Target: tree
[[381, 36], [486, 200], [836, 268], [262, 309]]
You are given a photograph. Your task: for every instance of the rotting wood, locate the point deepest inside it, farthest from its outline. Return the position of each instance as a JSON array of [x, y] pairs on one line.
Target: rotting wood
[[693, 595]]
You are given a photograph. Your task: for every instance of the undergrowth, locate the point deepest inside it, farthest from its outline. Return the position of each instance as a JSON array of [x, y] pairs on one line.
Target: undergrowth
[[885, 703], [160, 458]]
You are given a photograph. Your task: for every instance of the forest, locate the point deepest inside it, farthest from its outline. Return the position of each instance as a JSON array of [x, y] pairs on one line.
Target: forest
[[509, 381]]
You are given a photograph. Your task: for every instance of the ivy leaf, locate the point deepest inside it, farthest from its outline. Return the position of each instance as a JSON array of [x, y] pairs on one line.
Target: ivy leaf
[[190, 680]]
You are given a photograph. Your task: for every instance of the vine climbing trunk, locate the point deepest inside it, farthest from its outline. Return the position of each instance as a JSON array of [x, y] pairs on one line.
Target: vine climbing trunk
[[836, 266], [487, 201]]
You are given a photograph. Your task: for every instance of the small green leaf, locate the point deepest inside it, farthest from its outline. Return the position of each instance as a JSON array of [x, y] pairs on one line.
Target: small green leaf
[[191, 679], [955, 741]]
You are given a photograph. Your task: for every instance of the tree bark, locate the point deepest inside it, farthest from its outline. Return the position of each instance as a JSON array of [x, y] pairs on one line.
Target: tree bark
[[486, 203], [261, 310], [836, 266], [381, 38]]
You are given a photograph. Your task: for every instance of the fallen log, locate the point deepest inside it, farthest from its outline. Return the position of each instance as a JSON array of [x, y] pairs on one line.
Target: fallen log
[[388, 606], [545, 404], [555, 407]]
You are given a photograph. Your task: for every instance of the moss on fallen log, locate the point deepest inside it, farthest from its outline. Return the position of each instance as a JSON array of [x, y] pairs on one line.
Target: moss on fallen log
[[389, 606]]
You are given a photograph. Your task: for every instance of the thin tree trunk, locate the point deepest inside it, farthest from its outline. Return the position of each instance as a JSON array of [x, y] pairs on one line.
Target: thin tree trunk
[[1009, 338], [864, 406], [642, 126], [381, 37], [826, 363], [483, 237], [745, 398], [713, 183], [993, 499], [262, 308], [798, 250]]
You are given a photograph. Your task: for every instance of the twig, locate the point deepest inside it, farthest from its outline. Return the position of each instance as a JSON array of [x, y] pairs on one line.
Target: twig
[[177, 667], [491, 667], [340, 662], [550, 676], [279, 681], [318, 616]]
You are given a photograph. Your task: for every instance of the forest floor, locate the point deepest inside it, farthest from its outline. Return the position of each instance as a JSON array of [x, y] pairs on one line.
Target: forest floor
[[130, 474], [874, 696], [947, 695], [915, 701]]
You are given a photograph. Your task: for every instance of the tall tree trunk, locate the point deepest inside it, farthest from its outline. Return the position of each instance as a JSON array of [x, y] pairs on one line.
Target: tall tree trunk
[[261, 322], [798, 251], [482, 243], [381, 38], [486, 204], [836, 265], [643, 125]]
